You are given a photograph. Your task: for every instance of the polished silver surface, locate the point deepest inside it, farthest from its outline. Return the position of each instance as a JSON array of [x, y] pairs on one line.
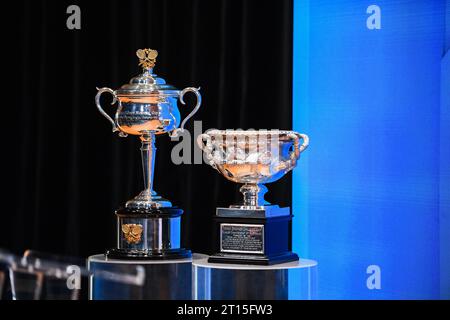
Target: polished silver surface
[[147, 106], [148, 198], [99, 107], [252, 157]]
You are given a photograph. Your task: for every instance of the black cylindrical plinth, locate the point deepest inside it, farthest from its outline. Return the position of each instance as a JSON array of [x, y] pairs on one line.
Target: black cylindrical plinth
[[148, 234]]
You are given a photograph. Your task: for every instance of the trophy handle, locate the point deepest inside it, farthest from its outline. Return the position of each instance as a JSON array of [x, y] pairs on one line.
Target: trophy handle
[[298, 148], [206, 148], [99, 107], [175, 132]]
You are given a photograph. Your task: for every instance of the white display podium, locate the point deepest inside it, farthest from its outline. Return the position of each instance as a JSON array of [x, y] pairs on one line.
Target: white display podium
[[196, 278], [293, 280], [163, 279]]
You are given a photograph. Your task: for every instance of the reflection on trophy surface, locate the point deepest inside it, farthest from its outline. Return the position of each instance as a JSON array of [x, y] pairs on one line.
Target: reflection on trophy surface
[[253, 231], [253, 158], [148, 225]]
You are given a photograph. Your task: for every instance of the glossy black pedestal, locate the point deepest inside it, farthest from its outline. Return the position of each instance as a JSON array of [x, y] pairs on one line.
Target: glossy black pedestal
[[168, 254], [258, 237], [148, 234], [263, 260]]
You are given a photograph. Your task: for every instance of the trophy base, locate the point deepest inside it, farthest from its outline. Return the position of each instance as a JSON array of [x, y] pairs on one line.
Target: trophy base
[[253, 259], [148, 234], [127, 254], [258, 236]]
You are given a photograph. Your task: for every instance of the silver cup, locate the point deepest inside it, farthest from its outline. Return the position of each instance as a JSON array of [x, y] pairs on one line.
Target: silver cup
[[147, 106], [253, 158]]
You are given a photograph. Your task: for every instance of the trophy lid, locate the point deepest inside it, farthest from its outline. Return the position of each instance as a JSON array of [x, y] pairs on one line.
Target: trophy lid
[[147, 82]]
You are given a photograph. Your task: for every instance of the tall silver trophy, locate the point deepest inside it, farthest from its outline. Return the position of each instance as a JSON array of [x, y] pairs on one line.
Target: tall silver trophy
[[253, 231], [148, 226]]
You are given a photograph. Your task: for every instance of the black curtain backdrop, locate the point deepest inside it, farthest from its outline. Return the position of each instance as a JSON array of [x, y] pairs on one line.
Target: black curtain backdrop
[[65, 172]]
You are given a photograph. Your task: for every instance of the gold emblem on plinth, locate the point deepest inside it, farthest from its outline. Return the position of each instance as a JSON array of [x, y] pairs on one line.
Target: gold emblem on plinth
[[132, 232]]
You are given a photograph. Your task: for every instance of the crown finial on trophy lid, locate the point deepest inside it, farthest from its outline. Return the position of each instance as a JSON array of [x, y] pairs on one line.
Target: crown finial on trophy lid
[[147, 58]]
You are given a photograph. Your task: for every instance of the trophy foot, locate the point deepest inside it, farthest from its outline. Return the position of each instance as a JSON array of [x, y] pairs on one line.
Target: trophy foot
[[148, 254], [146, 200], [253, 195], [265, 260]]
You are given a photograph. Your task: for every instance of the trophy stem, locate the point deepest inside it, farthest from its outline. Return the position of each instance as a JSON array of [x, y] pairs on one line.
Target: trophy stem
[[148, 198], [148, 151], [253, 195]]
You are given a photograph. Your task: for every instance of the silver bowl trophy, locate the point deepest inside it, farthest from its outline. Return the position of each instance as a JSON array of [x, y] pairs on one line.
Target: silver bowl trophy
[[148, 226], [254, 231]]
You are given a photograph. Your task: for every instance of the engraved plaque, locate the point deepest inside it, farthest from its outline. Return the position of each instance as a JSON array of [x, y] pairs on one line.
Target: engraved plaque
[[242, 238]]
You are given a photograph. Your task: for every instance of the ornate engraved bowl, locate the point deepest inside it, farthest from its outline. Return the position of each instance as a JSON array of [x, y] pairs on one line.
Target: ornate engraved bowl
[[147, 104], [252, 157]]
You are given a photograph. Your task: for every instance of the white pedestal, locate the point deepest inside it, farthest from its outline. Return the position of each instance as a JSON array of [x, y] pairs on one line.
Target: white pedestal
[[293, 280], [195, 278], [164, 279]]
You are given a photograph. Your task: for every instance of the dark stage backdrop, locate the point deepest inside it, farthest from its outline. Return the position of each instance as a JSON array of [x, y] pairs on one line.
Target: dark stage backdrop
[[64, 172]]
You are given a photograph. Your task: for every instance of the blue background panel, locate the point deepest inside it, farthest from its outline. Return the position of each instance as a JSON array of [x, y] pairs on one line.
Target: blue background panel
[[367, 191]]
